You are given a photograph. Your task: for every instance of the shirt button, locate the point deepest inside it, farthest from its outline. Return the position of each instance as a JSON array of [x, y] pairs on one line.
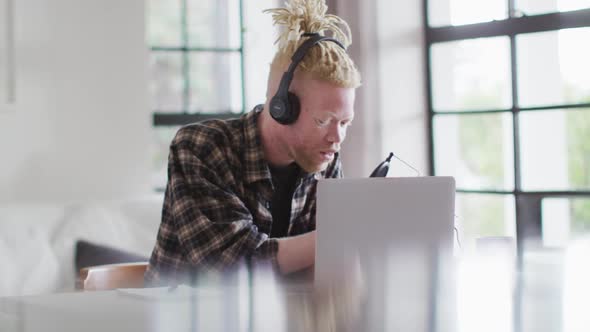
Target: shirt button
[[267, 204]]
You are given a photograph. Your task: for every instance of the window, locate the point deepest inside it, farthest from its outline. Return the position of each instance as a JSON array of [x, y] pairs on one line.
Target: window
[[509, 112], [208, 59]]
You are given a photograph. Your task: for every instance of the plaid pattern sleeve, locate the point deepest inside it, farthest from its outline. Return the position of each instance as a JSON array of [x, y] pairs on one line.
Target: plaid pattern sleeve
[[217, 228], [216, 207]]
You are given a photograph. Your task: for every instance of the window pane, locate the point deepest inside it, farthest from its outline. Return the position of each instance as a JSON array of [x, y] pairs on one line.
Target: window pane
[[213, 23], [481, 215], [215, 82], [164, 23], [553, 67], [166, 84], [533, 7], [555, 149], [459, 12], [162, 137], [564, 219], [477, 149], [471, 75]]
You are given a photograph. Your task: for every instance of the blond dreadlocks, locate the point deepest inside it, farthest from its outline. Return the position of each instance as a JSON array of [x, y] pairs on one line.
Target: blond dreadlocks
[[326, 61]]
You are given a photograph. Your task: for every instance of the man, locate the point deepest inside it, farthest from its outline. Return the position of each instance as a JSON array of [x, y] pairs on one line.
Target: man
[[244, 189]]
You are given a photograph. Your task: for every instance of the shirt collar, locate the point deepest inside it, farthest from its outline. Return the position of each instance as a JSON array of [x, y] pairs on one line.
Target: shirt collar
[[256, 168]]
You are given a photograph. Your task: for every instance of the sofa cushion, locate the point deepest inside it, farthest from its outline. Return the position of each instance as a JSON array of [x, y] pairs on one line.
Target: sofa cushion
[[27, 261], [38, 241], [92, 254]]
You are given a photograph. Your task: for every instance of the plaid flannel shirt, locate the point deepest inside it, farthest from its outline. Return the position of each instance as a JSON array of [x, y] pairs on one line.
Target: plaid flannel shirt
[[216, 209]]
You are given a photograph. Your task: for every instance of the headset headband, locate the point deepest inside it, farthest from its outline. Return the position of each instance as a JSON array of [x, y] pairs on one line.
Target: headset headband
[[314, 38]]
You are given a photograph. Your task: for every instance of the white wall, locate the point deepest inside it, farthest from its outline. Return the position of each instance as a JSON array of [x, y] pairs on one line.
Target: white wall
[[403, 91], [81, 125], [259, 47], [391, 110], [361, 151]]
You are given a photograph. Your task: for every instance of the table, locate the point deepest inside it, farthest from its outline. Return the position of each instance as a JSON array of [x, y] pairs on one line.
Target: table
[[549, 292]]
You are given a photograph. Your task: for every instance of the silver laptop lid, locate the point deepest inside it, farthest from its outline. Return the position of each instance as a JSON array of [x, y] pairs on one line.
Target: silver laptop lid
[[378, 212], [392, 233]]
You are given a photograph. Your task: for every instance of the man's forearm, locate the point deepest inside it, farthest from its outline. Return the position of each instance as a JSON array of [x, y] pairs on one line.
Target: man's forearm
[[296, 252]]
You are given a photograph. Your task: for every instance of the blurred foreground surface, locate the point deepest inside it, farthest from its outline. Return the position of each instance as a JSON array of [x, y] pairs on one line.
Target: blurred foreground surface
[[402, 291]]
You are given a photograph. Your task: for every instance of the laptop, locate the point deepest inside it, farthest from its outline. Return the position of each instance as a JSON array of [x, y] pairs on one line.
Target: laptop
[[394, 235]]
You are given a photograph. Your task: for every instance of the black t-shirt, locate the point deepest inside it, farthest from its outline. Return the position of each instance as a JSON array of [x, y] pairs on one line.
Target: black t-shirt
[[284, 180]]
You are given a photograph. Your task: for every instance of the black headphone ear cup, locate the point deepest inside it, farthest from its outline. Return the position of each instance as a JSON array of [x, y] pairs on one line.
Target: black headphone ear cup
[[295, 107], [279, 109]]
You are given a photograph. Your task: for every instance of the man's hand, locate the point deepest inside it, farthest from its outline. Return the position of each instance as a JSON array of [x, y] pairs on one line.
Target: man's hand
[[296, 252]]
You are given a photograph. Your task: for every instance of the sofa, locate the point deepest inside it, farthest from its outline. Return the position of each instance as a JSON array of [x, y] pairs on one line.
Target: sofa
[[38, 241]]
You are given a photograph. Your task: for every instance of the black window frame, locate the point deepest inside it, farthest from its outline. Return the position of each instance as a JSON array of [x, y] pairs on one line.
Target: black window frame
[[527, 203], [162, 118], [173, 118]]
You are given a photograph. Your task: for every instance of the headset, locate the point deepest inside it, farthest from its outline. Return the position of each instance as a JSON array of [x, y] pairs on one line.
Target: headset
[[285, 106]]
